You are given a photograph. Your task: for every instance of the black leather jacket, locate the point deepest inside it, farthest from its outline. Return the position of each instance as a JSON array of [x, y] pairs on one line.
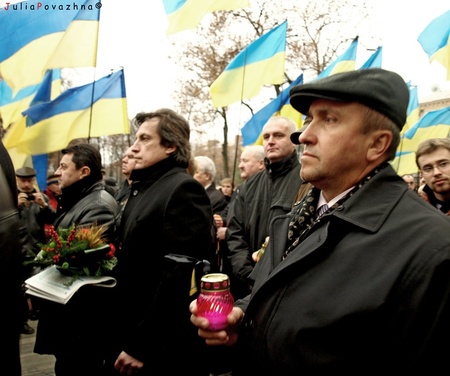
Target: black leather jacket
[[86, 202]]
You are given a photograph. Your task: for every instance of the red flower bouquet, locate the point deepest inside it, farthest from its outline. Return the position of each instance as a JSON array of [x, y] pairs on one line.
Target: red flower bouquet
[[77, 251]]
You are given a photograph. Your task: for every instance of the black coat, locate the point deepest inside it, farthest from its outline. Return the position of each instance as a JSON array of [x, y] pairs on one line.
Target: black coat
[[83, 324], [10, 269], [168, 211], [262, 197], [218, 200], [367, 291]]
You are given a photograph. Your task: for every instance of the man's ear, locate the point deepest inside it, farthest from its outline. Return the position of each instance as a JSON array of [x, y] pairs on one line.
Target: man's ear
[[380, 142], [84, 171], [170, 150]]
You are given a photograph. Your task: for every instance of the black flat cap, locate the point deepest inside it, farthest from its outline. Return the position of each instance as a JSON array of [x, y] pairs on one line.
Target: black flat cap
[[382, 90], [296, 135], [52, 179], [25, 172], [110, 181]]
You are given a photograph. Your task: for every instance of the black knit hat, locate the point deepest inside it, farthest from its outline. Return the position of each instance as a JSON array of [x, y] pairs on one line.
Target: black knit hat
[[381, 90]]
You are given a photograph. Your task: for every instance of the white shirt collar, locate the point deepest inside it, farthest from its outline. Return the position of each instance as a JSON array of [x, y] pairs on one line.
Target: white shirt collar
[[322, 200]]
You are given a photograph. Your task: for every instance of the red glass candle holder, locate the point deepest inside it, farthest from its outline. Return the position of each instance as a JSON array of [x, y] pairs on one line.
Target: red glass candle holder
[[215, 301]]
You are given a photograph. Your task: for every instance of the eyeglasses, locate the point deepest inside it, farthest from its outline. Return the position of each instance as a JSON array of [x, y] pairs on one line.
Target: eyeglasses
[[441, 166]]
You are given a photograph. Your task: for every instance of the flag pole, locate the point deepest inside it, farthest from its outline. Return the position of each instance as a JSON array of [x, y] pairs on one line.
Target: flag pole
[[235, 160], [95, 70]]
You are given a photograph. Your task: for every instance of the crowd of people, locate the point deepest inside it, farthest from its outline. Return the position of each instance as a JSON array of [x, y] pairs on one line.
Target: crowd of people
[[330, 264]]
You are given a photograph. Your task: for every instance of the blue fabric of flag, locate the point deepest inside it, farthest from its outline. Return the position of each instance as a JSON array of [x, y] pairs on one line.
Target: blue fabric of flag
[[22, 24], [260, 63], [56, 36], [79, 98], [438, 120], [435, 35], [253, 128], [93, 110], [171, 6], [375, 60], [344, 63], [435, 41]]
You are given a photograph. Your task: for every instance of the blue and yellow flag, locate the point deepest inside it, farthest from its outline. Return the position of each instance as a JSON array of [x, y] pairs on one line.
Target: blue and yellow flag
[[48, 89], [412, 112], [405, 162], [251, 131], [34, 39], [187, 14], [435, 41], [432, 124], [375, 60], [344, 63], [11, 106], [262, 62], [93, 110]]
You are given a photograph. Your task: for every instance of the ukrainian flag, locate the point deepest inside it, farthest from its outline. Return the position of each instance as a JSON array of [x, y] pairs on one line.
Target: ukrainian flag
[[412, 112], [48, 89], [375, 60], [187, 14], [262, 62], [432, 124], [34, 40], [344, 63], [406, 144], [435, 41], [405, 163], [251, 131], [11, 106], [93, 110]]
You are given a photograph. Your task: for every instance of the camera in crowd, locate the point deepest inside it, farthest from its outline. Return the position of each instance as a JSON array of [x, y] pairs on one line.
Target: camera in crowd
[[30, 197]]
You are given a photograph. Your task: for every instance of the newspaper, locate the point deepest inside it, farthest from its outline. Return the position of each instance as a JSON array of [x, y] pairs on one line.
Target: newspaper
[[50, 284]]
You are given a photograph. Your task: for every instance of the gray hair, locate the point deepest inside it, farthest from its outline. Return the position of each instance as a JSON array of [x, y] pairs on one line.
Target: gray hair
[[206, 164]]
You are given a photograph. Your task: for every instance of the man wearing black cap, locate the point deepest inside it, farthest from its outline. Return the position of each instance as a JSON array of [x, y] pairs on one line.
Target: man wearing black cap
[[361, 287], [35, 213]]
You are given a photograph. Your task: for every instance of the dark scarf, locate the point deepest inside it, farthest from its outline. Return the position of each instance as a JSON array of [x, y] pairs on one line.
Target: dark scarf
[[282, 167], [444, 206], [305, 215]]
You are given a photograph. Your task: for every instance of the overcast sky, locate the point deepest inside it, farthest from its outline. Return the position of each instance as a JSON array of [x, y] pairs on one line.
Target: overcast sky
[[400, 23]]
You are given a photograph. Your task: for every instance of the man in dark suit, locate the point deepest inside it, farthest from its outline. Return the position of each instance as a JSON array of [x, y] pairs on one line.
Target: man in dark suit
[[168, 212]]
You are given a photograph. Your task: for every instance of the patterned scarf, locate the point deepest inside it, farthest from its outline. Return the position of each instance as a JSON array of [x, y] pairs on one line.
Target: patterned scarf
[[305, 215]]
